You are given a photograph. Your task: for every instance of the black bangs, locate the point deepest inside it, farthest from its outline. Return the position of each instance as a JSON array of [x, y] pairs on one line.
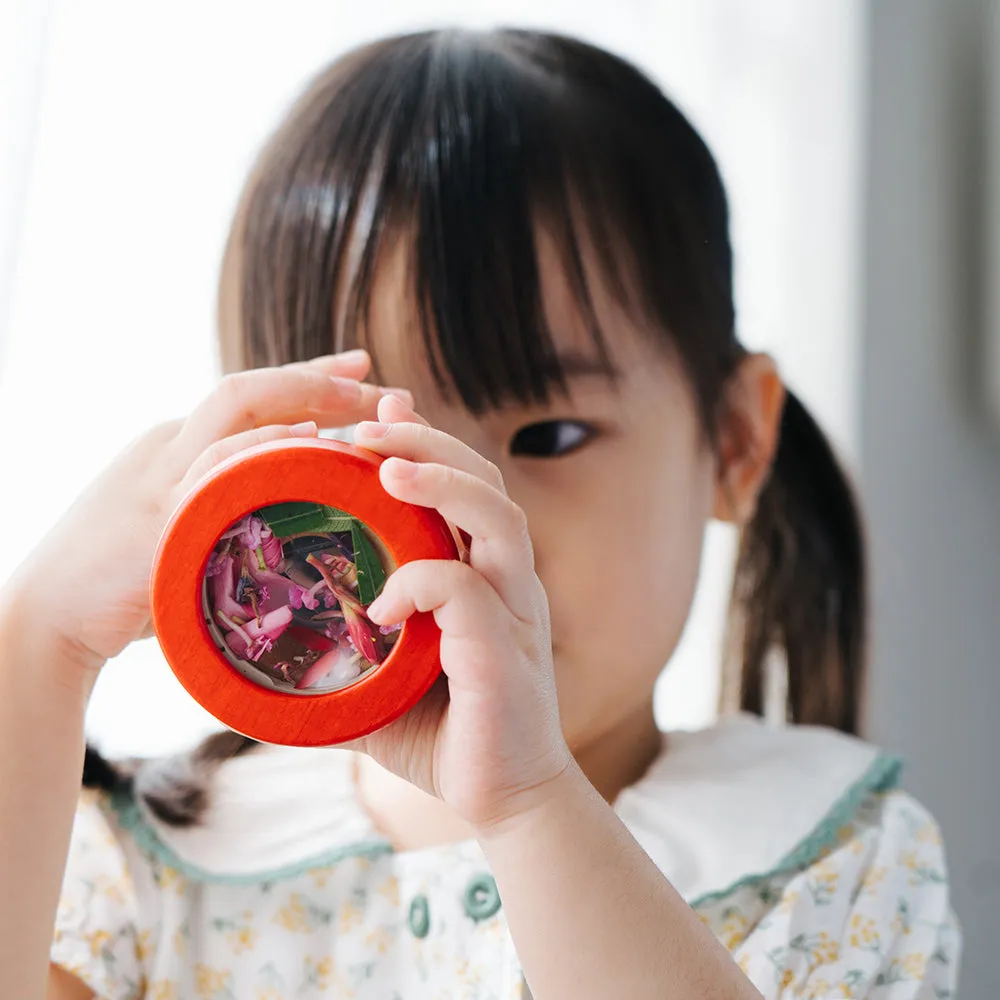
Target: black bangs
[[466, 146]]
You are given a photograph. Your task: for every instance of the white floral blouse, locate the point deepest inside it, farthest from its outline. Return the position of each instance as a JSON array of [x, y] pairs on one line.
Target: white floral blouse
[[791, 844]]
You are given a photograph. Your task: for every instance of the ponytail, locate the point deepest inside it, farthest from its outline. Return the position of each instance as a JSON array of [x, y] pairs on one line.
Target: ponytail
[[176, 790], [800, 584]]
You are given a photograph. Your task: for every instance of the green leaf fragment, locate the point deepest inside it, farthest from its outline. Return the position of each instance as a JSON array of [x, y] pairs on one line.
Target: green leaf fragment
[[289, 519], [371, 575]]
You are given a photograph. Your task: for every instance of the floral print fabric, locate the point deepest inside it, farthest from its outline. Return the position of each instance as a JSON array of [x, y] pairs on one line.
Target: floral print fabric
[[868, 917]]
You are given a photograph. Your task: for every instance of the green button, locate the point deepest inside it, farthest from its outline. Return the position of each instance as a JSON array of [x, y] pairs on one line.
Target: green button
[[420, 917], [482, 898]]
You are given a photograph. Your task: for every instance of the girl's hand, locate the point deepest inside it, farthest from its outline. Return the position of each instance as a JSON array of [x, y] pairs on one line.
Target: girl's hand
[[88, 580], [486, 739]]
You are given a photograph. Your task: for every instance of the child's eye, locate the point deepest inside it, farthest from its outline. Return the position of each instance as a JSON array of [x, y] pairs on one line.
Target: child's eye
[[551, 438]]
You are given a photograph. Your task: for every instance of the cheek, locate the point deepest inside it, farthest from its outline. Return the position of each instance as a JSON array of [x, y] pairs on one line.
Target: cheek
[[621, 586]]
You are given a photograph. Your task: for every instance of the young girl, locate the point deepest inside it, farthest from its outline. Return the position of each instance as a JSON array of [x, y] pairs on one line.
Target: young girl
[[527, 235]]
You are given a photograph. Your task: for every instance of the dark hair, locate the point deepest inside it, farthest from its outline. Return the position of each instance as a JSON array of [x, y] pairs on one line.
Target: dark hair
[[463, 144]]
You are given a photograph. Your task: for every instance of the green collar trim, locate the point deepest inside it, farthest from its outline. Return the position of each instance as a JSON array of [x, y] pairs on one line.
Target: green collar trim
[[130, 818], [881, 776]]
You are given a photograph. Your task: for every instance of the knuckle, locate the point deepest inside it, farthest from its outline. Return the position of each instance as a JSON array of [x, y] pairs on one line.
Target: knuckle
[[210, 457], [163, 433], [518, 520], [235, 392], [495, 476], [447, 475]]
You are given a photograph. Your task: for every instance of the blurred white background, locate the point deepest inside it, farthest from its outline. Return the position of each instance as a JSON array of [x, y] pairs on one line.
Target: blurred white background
[[128, 130], [852, 137]]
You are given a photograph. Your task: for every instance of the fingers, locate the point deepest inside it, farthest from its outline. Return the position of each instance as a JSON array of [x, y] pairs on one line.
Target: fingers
[[286, 395], [464, 605], [420, 442], [393, 409], [501, 546], [227, 447], [351, 364]]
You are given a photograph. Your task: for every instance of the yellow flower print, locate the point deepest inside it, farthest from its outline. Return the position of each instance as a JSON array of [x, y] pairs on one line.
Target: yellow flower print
[[321, 876], [208, 981], [920, 871], [163, 989], [242, 939], [823, 883], [930, 834], [97, 941], [170, 878], [844, 834], [300, 916], [786, 979], [817, 989], [914, 965], [351, 916], [379, 940], [110, 888], [873, 880], [390, 890], [824, 949], [180, 941], [268, 993], [900, 969], [144, 946], [734, 929], [317, 974], [292, 916], [863, 933], [788, 901]]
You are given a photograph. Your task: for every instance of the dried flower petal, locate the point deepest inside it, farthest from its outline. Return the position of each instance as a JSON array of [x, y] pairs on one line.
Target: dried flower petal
[[223, 589], [299, 597], [250, 537], [270, 549]]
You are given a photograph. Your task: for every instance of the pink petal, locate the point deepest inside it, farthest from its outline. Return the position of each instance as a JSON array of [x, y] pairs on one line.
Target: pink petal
[[223, 590], [271, 548], [360, 629], [271, 625], [319, 669]]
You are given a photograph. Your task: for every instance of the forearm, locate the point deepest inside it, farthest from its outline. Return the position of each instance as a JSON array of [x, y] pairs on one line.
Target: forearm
[[592, 916], [41, 758]]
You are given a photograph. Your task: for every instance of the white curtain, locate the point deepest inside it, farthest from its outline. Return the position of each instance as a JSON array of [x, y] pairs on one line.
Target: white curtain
[[128, 129]]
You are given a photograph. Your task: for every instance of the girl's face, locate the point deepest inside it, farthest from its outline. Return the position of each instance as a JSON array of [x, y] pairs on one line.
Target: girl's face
[[617, 483]]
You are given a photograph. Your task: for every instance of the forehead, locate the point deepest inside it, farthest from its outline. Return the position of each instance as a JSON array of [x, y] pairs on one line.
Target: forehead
[[393, 330]]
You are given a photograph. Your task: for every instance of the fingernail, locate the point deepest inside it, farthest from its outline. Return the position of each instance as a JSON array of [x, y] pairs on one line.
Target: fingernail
[[350, 387], [404, 394], [372, 429], [373, 609], [355, 354], [306, 429], [402, 468]]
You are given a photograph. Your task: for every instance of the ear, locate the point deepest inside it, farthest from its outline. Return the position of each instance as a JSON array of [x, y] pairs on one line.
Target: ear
[[748, 437]]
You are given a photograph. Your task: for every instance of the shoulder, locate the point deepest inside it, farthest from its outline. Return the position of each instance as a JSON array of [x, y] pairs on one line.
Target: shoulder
[[745, 800], [798, 849], [870, 915], [267, 814]]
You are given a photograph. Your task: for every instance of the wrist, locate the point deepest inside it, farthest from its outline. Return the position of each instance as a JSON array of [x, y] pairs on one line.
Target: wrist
[[33, 650], [551, 797]]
